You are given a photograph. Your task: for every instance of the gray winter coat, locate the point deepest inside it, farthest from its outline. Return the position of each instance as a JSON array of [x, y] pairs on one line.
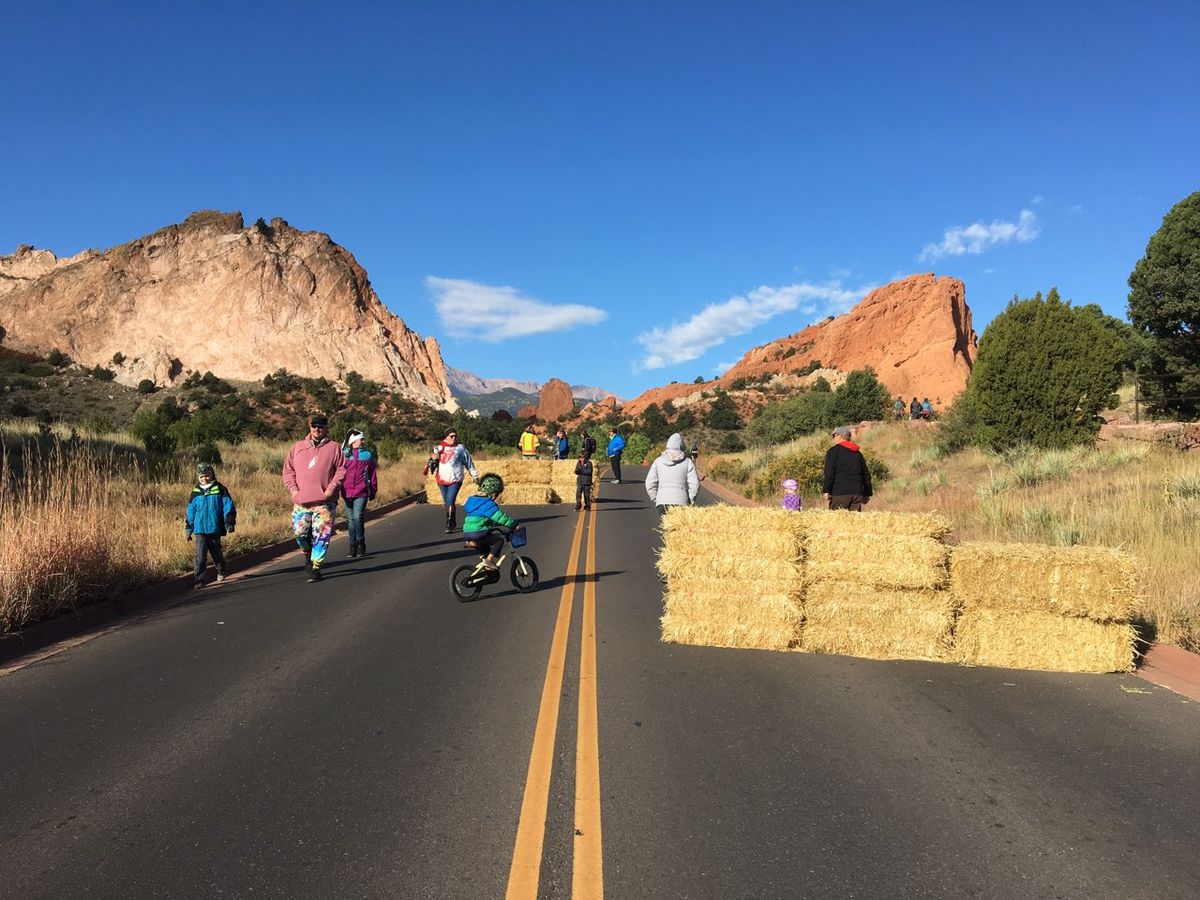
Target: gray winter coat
[[673, 480]]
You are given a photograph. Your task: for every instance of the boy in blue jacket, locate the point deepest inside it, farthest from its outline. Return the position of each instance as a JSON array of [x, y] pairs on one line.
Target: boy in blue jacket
[[210, 514], [486, 524]]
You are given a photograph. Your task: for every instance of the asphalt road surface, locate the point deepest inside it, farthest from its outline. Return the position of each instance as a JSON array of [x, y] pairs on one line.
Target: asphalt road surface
[[370, 736]]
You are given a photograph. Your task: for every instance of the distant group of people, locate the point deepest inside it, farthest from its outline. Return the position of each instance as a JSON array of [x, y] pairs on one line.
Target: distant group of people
[[917, 409]]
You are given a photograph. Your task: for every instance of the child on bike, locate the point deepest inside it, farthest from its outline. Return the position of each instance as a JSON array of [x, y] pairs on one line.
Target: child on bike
[[485, 522]]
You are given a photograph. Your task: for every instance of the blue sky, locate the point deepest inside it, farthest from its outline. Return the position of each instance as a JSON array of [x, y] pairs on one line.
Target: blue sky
[[622, 193]]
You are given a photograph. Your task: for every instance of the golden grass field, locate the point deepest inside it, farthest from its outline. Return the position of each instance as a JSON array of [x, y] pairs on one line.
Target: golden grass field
[[80, 526], [1131, 495]]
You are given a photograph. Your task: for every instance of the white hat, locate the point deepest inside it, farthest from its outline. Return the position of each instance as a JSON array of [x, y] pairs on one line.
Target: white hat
[[354, 435]]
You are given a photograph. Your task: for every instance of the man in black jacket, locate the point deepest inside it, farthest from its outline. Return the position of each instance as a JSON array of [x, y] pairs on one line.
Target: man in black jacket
[[847, 478]]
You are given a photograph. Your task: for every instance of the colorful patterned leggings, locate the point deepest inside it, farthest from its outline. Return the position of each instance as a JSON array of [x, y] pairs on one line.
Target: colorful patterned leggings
[[313, 527]]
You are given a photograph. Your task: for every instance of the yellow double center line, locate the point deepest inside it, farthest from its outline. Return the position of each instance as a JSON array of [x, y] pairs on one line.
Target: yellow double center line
[[588, 874]]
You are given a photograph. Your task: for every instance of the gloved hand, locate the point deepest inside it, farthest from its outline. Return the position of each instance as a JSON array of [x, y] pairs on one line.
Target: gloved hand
[[189, 534], [230, 528]]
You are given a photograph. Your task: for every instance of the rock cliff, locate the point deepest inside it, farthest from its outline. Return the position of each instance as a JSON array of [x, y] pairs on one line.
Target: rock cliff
[[212, 295], [915, 333]]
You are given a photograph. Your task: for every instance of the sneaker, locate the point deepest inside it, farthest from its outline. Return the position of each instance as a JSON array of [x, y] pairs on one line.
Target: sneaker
[[221, 576], [353, 550], [314, 574], [489, 564], [578, 507], [198, 585], [616, 481]]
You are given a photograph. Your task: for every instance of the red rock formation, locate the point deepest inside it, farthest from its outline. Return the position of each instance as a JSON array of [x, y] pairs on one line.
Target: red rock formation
[[555, 401], [211, 295], [915, 333], [599, 409], [527, 412]]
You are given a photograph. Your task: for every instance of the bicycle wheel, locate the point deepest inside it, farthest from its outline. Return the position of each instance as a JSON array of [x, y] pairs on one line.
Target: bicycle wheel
[[524, 574], [461, 585]]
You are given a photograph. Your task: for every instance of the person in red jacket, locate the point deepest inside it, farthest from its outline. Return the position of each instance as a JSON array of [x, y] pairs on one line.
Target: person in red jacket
[[313, 474]]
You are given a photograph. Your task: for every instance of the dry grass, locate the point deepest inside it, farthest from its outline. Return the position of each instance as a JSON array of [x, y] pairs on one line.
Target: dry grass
[[77, 526]]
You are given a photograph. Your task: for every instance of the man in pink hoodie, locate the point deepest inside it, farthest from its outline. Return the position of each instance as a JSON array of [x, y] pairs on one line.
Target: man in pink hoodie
[[313, 472]]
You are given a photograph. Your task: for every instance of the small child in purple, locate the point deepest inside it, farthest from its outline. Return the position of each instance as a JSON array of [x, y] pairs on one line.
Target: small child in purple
[[791, 495]]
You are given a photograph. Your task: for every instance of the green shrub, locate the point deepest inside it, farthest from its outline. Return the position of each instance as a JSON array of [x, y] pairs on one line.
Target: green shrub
[[778, 423], [731, 443], [57, 358], [208, 452], [102, 374], [808, 468], [730, 470], [146, 386], [861, 398]]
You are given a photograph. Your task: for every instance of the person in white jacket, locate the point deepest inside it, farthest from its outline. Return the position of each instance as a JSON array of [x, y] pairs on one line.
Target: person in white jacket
[[672, 480]]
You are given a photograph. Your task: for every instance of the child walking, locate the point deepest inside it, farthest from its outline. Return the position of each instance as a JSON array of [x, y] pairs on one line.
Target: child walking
[[210, 514], [583, 481]]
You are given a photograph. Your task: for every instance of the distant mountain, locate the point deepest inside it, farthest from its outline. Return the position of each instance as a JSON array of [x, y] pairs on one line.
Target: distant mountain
[[467, 384], [508, 399]]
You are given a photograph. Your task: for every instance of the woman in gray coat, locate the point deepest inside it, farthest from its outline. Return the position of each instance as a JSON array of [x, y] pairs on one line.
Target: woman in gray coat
[[672, 480]]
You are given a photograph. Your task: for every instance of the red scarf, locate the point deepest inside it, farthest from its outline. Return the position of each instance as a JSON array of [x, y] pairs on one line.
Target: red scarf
[[849, 445]]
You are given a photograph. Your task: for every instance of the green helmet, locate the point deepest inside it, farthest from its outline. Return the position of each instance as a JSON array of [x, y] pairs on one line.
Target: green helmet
[[491, 484]]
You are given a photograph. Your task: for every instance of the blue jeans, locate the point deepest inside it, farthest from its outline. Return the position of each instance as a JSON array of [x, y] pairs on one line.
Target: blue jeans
[[449, 492], [354, 519]]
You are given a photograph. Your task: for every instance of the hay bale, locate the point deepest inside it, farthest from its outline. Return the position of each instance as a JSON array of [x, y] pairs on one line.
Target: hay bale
[[706, 612], [531, 471], [773, 567], [1041, 640], [900, 560], [1087, 582], [835, 523], [734, 538], [524, 495], [564, 492], [877, 623]]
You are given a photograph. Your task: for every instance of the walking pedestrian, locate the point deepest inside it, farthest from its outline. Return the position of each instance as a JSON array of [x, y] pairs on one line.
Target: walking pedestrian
[[672, 479], [926, 409], [210, 515], [847, 478], [583, 482], [313, 474], [616, 446], [588, 443], [898, 406], [358, 489], [448, 463]]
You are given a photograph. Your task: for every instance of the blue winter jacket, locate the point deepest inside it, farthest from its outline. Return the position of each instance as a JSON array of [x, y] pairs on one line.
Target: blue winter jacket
[[616, 445], [211, 510]]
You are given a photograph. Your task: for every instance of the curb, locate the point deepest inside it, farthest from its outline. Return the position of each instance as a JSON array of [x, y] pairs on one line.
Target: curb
[[723, 493], [97, 616]]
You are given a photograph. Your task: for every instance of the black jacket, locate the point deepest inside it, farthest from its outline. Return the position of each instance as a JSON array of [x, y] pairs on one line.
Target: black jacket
[[583, 473], [846, 471]]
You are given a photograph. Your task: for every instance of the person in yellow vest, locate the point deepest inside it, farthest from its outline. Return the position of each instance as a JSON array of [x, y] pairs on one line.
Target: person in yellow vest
[[529, 443]]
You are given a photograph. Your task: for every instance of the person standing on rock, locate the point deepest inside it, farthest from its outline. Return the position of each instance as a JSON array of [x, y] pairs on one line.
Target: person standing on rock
[[358, 489], [899, 408], [313, 473], [847, 478], [672, 479], [616, 446], [448, 464]]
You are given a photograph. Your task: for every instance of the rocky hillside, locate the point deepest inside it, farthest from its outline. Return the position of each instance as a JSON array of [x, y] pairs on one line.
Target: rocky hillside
[[210, 294], [915, 333]]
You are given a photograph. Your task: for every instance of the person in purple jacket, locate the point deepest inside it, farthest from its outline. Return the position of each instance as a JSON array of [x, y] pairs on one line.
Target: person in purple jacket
[[313, 473], [359, 487]]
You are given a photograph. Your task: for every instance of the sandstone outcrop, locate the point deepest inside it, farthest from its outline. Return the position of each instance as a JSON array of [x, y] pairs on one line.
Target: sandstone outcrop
[[555, 401], [915, 333], [212, 295]]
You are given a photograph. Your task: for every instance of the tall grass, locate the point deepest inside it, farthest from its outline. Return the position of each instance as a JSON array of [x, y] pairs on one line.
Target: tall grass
[[82, 522]]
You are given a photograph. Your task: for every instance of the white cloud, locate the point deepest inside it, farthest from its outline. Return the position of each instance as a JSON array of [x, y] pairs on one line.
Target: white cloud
[[717, 322], [722, 367], [493, 314], [1037, 199], [980, 236]]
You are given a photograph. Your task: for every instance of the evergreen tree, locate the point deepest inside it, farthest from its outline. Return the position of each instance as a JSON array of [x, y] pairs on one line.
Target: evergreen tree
[[1164, 305], [1045, 371]]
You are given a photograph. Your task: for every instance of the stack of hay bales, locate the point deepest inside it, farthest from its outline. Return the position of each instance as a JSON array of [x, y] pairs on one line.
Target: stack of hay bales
[[526, 482], [562, 481], [876, 585], [1027, 606], [734, 577]]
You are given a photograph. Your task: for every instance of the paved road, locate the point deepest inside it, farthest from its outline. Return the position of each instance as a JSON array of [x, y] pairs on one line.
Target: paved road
[[371, 737]]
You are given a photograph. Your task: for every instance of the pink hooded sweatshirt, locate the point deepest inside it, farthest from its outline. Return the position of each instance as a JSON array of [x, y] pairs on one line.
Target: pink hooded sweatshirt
[[313, 473]]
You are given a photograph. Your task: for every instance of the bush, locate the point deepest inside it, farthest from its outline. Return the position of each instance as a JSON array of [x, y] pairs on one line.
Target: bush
[[118, 359], [153, 429], [731, 443], [811, 367], [861, 398], [730, 470], [1044, 373], [821, 385], [57, 358], [723, 414], [778, 423], [808, 468], [637, 448], [208, 453], [102, 374], [146, 386]]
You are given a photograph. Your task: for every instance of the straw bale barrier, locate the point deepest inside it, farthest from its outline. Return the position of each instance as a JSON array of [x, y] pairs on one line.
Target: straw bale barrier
[[1041, 640], [433, 495], [1086, 582], [562, 481], [877, 549], [711, 612], [847, 618], [734, 577], [525, 495]]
